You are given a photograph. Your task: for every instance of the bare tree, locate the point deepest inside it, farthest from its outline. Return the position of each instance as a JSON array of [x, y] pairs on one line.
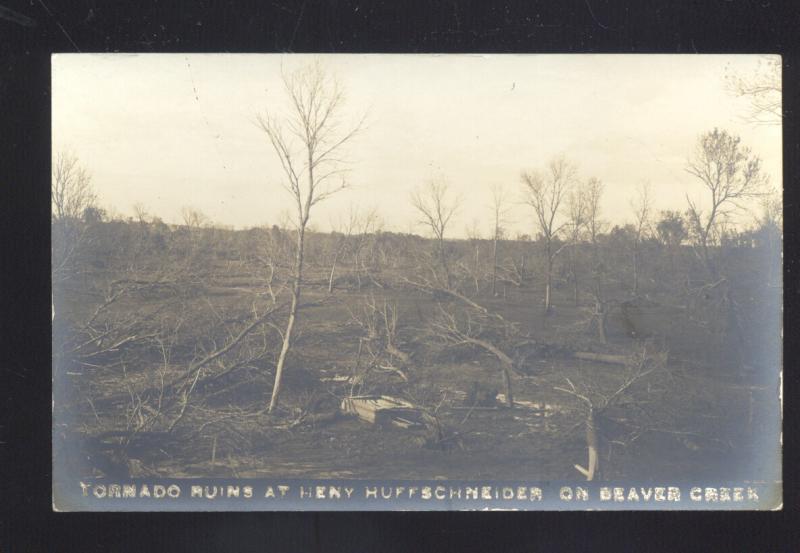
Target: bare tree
[[365, 224], [731, 175], [576, 221], [499, 213], [545, 192], [593, 194], [633, 397], [193, 218], [140, 214], [436, 210], [72, 196], [474, 235], [762, 89], [380, 325], [642, 211], [345, 230], [71, 188], [308, 142], [475, 328]]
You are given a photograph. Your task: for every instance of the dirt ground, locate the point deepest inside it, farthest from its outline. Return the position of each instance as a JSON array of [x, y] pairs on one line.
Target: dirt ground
[[715, 419]]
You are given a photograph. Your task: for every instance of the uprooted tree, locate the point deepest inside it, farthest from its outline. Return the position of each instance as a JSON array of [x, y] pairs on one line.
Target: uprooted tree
[[467, 324], [308, 142], [621, 411]]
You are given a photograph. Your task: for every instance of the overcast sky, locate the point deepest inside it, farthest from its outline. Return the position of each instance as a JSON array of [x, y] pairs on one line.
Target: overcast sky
[[168, 131]]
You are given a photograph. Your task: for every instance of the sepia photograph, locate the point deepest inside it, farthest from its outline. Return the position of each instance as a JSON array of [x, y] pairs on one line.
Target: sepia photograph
[[416, 282]]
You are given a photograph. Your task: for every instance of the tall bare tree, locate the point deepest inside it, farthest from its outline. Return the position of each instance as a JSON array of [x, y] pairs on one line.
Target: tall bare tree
[[436, 210], [642, 207], [545, 192], [593, 193], [731, 175], [308, 142], [499, 213]]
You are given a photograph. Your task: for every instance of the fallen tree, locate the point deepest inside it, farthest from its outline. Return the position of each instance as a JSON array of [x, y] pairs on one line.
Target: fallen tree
[[473, 329], [599, 402]]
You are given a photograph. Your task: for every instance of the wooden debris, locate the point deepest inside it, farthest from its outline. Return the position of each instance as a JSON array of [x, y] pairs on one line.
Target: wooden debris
[[383, 410], [341, 378], [531, 405]]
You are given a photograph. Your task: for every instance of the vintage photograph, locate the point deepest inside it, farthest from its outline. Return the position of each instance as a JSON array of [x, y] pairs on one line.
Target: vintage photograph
[[382, 271]]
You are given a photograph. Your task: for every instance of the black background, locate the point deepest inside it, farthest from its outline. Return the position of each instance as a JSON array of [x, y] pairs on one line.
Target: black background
[[26, 520]]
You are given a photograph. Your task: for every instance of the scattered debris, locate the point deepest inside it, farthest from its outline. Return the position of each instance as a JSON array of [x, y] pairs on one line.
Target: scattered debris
[[342, 378], [539, 407], [383, 410]]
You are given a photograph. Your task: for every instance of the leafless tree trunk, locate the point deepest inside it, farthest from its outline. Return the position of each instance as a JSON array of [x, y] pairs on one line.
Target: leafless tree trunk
[[544, 193], [364, 225], [313, 128], [436, 211], [642, 206], [474, 235], [494, 265], [499, 211], [357, 224], [576, 211], [601, 315], [332, 273]]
